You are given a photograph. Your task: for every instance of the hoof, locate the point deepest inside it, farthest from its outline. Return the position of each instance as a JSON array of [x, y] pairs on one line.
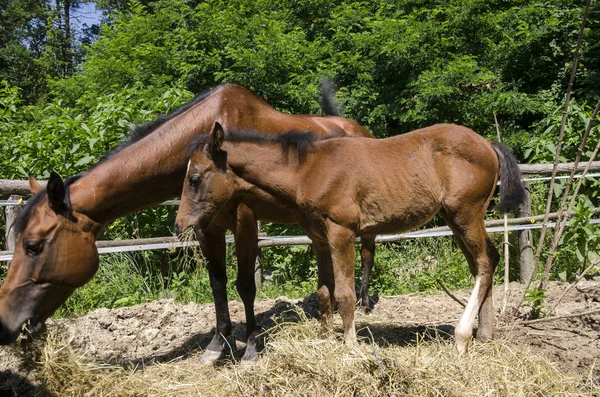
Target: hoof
[[485, 334], [461, 348], [211, 356], [249, 359], [250, 355], [365, 310]]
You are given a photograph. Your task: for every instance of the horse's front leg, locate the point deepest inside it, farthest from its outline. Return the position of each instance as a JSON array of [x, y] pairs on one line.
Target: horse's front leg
[[246, 248], [341, 245], [325, 291], [212, 244]]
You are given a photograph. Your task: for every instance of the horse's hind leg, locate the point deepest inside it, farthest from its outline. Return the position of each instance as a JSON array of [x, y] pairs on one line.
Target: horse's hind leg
[[341, 244], [325, 291], [246, 248], [482, 257], [367, 254], [212, 245]]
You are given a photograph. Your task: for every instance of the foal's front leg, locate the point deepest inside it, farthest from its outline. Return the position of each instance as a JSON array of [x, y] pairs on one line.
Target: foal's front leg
[[341, 245], [212, 244]]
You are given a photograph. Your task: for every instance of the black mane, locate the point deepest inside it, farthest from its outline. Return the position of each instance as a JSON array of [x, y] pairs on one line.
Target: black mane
[[137, 134], [300, 142]]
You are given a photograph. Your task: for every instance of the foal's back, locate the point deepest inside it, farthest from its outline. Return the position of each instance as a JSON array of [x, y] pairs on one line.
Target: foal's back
[[398, 183]]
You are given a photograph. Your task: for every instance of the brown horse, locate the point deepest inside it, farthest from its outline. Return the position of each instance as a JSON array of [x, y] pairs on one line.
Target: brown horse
[[57, 229], [342, 188]]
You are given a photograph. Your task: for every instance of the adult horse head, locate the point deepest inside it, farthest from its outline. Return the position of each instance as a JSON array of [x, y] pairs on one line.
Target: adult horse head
[[54, 255]]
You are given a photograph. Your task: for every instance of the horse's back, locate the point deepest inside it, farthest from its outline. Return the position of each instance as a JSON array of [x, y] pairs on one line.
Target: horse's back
[[241, 109]]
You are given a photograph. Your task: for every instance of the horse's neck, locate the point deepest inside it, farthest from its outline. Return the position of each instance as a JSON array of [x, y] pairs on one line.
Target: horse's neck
[[143, 174], [264, 168]]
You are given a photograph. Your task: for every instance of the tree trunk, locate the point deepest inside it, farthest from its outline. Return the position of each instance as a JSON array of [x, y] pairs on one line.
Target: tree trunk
[[68, 56], [527, 263]]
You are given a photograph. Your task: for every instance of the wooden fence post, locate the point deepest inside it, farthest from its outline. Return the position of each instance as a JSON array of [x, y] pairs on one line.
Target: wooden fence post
[[257, 266], [527, 264], [10, 214]]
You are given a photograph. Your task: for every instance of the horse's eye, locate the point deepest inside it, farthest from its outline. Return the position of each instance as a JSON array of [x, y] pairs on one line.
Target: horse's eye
[[34, 248], [195, 180]]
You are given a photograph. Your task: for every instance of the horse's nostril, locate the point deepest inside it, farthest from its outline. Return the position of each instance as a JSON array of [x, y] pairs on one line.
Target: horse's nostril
[[177, 229]]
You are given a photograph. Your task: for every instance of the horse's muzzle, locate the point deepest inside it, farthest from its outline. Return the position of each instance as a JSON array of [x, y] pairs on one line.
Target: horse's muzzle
[[178, 229], [6, 336]]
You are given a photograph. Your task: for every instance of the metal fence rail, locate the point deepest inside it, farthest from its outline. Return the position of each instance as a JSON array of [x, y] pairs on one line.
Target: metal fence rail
[[159, 243], [266, 241]]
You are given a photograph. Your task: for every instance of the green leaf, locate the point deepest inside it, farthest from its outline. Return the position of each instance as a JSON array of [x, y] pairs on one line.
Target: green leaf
[[83, 161]]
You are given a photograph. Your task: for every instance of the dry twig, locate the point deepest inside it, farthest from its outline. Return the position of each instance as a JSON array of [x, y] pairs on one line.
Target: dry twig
[[442, 286], [560, 298]]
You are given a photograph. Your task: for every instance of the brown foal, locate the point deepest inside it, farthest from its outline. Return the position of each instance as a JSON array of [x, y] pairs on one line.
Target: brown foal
[[57, 229], [338, 189]]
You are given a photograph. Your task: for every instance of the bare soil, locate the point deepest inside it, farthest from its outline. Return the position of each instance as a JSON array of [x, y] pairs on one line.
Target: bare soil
[[164, 330]]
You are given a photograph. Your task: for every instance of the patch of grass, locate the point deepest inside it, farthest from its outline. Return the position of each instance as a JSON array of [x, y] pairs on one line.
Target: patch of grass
[[126, 279]]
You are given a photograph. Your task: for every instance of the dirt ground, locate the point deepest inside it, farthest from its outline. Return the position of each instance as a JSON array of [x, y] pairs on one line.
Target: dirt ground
[[163, 330]]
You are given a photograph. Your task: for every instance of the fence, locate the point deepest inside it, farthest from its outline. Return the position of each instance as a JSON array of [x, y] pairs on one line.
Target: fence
[[524, 223]]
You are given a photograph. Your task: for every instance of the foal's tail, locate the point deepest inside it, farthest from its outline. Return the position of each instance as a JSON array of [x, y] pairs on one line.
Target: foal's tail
[[512, 191]]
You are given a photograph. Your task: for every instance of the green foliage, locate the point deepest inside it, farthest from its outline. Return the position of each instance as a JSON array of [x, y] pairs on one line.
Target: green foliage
[[541, 147], [398, 65], [579, 241], [415, 265], [534, 298], [126, 279], [579, 244], [69, 140]]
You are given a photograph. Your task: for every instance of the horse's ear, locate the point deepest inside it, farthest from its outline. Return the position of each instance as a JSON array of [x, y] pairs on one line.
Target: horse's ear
[[56, 193], [34, 185], [216, 137]]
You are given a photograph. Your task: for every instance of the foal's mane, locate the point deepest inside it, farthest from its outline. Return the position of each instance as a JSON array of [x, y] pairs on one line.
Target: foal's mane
[[299, 142], [140, 132]]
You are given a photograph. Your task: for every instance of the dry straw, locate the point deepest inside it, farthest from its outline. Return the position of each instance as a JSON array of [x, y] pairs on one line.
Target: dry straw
[[298, 362]]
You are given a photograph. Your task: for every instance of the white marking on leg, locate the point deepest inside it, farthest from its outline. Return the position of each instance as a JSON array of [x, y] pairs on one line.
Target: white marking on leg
[[351, 334], [464, 329]]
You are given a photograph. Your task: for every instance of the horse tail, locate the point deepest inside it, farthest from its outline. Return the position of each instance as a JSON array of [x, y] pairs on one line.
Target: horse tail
[[329, 105], [512, 191]]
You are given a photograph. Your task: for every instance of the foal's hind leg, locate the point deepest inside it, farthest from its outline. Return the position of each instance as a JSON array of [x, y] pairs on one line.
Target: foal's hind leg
[[246, 248], [212, 244], [485, 329], [482, 257], [367, 254]]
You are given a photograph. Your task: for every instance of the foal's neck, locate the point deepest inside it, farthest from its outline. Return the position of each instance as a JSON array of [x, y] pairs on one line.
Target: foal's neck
[[264, 166]]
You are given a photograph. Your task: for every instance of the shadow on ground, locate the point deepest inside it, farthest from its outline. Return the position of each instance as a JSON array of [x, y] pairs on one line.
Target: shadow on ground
[[289, 312], [12, 384]]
